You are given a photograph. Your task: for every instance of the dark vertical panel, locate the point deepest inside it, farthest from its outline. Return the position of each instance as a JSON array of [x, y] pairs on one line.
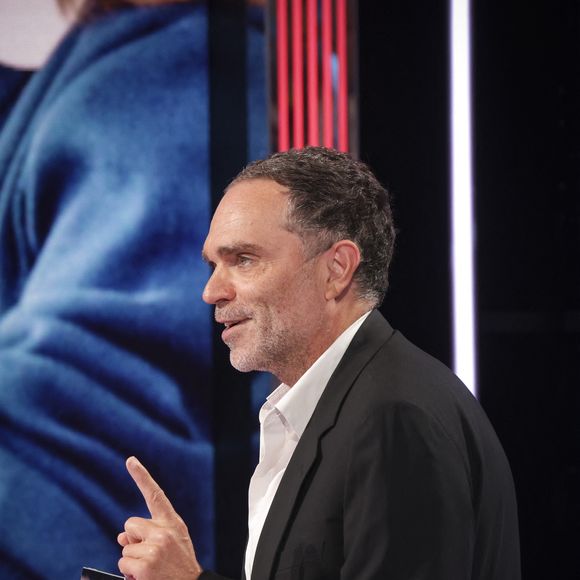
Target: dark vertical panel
[[404, 136], [232, 416], [227, 21], [527, 82]]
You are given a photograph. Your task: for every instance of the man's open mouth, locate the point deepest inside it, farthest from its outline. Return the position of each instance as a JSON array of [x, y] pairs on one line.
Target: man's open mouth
[[231, 323]]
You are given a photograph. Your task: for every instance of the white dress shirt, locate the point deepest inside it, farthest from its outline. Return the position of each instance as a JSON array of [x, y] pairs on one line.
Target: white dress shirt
[[283, 418]]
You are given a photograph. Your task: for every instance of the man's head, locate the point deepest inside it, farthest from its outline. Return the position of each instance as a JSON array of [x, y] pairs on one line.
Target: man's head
[[82, 9], [333, 197], [287, 245]]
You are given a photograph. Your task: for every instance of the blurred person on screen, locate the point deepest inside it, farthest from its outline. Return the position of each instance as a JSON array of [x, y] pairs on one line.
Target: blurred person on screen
[[104, 349]]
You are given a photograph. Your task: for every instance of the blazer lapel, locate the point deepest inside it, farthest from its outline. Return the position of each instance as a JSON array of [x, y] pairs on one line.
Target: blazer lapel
[[374, 332]]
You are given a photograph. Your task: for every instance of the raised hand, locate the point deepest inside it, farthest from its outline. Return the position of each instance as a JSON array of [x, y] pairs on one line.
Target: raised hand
[[158, 548]]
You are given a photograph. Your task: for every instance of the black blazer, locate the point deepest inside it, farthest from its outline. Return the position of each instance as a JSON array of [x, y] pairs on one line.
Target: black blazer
[[398, 476]]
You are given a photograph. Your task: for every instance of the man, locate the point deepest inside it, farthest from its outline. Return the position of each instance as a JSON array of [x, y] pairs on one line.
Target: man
[[375, 461]]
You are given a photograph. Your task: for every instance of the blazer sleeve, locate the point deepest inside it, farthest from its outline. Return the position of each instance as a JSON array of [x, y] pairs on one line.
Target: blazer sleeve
[[106, 350], [408, 510]]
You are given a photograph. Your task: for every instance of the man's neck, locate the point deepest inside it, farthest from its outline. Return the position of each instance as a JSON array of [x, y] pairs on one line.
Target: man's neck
[[325, 339]]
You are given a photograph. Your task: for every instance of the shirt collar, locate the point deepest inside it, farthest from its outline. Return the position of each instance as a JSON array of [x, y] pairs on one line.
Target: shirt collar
[[297, 404]]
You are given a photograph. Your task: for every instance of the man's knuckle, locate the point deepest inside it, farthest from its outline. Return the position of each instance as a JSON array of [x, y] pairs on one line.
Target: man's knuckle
[[161, 538], [129, 550], [158, 496], [154, 552], [124, 565], [168, 540], [180, 525], [131, 523]]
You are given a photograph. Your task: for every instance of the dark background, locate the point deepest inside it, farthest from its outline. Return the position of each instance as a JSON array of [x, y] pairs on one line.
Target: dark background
[[526, 77], [526, 85]]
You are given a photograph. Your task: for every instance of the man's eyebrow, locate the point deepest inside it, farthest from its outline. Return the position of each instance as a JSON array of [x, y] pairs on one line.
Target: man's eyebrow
[[236, 248]]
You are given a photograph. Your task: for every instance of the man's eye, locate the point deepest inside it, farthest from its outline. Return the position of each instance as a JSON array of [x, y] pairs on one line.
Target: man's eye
[[244, 260]]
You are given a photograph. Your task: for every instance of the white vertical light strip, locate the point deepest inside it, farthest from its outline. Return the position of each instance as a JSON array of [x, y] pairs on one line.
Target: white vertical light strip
[[462, 222]]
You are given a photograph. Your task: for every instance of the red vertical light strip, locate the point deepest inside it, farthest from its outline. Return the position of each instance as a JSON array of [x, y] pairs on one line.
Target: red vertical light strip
[[282, 84], [298, 73], [341, 41], [312, 71], [327, 105]]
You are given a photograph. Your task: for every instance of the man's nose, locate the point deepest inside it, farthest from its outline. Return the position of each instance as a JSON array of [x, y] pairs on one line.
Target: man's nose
[[219, 288]]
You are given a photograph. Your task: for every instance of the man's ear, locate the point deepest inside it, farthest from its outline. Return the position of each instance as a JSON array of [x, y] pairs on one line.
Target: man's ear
[[343, 258]]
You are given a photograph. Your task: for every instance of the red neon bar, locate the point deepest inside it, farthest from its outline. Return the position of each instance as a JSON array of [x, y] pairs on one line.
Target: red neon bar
[[282, 58], [341, 40], [297, 73], [327, 104], [312, 71]]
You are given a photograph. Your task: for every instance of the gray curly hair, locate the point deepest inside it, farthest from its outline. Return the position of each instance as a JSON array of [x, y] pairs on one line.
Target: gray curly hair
[[334, 197]]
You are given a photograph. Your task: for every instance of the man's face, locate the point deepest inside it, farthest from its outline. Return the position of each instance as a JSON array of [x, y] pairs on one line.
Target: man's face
[[267, 294]]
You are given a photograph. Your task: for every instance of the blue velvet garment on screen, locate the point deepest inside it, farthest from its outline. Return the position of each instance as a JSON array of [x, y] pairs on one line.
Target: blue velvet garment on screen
[[105, 344]]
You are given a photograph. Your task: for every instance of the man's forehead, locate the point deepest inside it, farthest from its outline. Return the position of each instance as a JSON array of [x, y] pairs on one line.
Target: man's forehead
[[257, 200], [251, 189], [251, 213]]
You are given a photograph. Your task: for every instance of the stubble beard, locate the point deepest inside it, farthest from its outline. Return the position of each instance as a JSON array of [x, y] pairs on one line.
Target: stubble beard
[[276, 351], [280, 344]]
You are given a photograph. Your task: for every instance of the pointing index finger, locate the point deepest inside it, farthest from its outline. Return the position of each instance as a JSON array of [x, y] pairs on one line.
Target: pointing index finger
[[157, 503]]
